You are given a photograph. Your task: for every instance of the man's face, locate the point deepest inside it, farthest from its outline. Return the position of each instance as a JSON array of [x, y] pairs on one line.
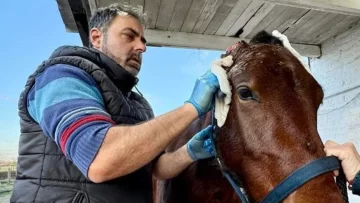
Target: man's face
[[124, 42]]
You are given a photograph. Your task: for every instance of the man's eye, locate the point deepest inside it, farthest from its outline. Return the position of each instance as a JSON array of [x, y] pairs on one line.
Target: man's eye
[[129, 36]]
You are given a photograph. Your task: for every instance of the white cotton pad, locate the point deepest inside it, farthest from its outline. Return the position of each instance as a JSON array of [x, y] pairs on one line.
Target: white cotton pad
[[222, 104], [288, 46]]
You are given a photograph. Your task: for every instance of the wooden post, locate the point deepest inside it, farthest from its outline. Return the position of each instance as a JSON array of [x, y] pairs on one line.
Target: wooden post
[[9, 175]]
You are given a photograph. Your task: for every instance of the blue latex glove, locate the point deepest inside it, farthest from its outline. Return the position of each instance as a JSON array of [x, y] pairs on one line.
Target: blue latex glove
[[202, 96], [200, 145]]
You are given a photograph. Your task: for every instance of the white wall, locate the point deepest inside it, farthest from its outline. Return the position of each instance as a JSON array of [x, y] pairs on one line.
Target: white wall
[[338, 71]]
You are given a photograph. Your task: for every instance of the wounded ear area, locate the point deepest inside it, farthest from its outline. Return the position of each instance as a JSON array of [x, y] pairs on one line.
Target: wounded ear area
[[234, 50]]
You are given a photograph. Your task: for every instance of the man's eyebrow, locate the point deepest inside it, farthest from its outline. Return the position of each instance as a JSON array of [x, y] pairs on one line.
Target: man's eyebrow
[[135, 33]]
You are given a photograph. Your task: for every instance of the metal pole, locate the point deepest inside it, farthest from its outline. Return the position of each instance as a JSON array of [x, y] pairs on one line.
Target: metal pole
[[9, 175]]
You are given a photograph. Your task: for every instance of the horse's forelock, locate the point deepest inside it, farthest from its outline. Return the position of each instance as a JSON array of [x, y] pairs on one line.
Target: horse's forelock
[[266, 38]]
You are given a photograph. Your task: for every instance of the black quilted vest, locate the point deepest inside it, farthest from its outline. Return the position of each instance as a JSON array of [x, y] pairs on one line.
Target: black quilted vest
[[44, 174]]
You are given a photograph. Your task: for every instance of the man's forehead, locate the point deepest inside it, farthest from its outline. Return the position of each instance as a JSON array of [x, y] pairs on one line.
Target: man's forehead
[[128, 21]]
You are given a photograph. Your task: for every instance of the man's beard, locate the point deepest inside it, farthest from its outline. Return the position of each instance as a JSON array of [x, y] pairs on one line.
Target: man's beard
[[107, 52]]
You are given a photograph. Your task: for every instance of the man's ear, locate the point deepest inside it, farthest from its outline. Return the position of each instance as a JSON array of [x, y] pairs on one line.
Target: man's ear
[[96, 37]]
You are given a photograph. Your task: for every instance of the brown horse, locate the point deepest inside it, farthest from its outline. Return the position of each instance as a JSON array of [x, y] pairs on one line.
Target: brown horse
[[270, 131]]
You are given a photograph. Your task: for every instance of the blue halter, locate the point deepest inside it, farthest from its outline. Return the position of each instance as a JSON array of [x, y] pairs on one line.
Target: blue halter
[[294, 180]]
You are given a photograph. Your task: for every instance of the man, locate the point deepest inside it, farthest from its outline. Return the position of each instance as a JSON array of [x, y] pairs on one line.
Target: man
[[85, 135]]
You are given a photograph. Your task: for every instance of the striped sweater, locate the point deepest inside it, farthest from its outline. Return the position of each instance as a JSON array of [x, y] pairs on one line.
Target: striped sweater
[[68, 106]]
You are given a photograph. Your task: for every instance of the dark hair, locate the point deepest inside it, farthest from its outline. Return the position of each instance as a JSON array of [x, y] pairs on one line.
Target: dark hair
[[103, 17], [266, 38]]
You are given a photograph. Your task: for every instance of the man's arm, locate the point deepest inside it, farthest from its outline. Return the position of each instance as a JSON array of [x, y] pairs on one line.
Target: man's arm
[[68, 106], [172, 164], [128, 148]]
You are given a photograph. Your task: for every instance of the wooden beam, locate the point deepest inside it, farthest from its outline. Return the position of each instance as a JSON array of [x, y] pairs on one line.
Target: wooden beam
[[179, 15], [165, 14], [207, 14], [93, 5], [192, 15], [79, 11], [347, 7], [252, 9], [298, 31], [104, 3], [152, 10], [213, 42], [86, 8], [256, 19], [137, 3], [220, 16], [345, 24], [267, 21], [67, 16], [231, 18]]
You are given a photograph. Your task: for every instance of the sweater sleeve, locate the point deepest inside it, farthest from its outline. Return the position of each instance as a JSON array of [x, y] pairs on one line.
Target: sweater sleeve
[[69, 108], [356, 184]]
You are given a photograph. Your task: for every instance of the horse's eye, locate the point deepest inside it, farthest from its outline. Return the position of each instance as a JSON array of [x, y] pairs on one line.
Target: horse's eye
[[245, 93]]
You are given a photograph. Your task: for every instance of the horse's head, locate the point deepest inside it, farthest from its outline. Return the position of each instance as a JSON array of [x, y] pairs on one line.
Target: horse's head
[[273, 126]]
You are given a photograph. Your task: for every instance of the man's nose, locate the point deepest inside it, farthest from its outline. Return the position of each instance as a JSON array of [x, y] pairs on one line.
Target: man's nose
[[140, 46]]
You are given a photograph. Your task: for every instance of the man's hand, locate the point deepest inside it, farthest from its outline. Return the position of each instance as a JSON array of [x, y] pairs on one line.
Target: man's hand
[[202, 97], [200, 146], [350, 158]]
